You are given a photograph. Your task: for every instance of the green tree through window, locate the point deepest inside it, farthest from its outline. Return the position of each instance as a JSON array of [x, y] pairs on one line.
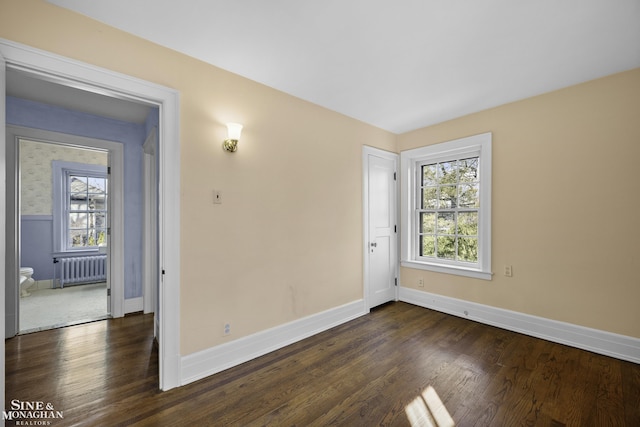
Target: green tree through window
[[446, 207], [448, 215]]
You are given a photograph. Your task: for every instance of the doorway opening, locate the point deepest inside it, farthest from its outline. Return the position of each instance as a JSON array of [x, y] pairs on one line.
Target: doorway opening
[[63, 240], [88, 79], [52, 226]]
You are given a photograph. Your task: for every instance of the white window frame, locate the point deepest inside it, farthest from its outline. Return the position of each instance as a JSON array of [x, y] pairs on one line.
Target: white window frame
[[61, 169], [410, 161]]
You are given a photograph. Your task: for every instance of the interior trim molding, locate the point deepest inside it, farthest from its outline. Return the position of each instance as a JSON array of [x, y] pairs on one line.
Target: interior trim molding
[[36, 217], [216, 359], [606, 343]]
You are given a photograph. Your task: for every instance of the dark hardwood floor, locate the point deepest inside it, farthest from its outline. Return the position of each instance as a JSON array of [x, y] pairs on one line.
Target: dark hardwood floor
[[375, 370]]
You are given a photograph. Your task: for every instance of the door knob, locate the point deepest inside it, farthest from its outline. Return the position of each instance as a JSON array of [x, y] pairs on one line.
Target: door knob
[[373, 244]]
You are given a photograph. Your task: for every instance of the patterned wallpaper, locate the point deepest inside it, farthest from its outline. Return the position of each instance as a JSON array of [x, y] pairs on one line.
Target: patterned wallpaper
[[36, 191]]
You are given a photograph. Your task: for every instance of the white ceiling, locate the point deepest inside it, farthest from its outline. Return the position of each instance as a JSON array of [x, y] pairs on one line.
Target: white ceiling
[[399, 65]]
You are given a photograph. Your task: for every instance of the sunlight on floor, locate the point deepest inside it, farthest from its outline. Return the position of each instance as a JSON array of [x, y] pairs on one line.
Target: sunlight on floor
[[427, 410]]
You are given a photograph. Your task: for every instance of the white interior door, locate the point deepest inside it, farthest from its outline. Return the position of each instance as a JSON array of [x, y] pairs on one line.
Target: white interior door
[[381, 238]]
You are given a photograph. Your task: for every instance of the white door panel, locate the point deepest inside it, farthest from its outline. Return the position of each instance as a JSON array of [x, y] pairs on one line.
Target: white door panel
[[380, 228], [382, 279]]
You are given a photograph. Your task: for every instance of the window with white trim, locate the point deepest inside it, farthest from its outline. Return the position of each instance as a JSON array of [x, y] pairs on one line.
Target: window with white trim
[[446, 207], [80, 206]]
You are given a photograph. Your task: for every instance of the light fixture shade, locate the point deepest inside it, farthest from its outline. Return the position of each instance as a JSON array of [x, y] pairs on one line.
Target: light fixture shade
[[234, 130]]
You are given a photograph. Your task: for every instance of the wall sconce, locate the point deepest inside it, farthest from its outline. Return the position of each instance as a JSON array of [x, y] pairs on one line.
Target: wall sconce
[[233, 131]]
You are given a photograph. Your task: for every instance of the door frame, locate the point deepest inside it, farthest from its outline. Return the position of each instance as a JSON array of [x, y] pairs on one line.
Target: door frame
[[150, 227], [3, 211], [115, 151], [69, 72], [366, 152]]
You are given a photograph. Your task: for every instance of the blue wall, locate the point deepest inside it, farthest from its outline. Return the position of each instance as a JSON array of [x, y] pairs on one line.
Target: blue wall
[[37, 234], [31, 114]]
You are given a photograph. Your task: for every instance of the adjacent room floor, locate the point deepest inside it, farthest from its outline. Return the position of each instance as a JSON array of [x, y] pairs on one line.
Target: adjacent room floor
[[53, 308]]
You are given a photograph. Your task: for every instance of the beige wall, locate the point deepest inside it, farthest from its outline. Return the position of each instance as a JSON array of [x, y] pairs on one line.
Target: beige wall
[[566, 205], [287, 240]]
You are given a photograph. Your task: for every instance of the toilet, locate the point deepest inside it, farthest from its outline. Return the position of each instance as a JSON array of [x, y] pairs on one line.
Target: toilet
[[26, 281]]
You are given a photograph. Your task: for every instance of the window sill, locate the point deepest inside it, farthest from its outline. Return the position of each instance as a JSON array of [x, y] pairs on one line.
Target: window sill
[[77, 252], [458, 271]]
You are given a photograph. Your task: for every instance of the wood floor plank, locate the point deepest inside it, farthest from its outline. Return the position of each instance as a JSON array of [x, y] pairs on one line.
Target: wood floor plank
[[631, 392], [374, 370], [573, 388], [609, 403]]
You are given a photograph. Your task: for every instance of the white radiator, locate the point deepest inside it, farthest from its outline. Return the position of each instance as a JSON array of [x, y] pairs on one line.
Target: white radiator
[[85, 269]]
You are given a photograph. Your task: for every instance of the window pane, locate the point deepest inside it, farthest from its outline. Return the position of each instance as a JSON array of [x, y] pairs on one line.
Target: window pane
[[446, 247], [96, 202], [78, 183], [97, 185], [468, 170], [101, 237], [427, 246], [428, 222], [97, 220], [429, 174], [97, 237], [77, 220], [468, 249], [469, 196], [78, 205], [448, 197], [429, 198], [447, 173], [77, 238], [446, 223], [468, 223]]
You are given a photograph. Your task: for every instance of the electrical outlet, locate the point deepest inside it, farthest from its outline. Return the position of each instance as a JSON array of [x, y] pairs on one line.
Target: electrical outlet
[[421, 282], [226, 329], [508, 271]]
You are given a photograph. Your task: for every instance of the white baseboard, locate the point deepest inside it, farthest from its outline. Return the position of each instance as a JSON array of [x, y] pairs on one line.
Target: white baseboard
[[216, 359], [133, 305], [43, 284], [606, 343]]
